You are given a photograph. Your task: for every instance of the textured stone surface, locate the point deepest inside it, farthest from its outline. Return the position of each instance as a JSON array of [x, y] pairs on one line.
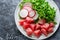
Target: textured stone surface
[[8, 30]]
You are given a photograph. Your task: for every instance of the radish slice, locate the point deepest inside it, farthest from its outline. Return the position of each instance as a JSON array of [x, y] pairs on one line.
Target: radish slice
[[32, 13], [28, 4], [23, 13], [35, 17], [28, 8]]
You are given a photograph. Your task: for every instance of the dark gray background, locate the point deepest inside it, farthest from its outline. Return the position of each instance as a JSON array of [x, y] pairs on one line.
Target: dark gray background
[[8, 29]]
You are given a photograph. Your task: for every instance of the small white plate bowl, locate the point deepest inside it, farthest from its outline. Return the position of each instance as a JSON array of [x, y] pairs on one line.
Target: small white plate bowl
[[52, 4]]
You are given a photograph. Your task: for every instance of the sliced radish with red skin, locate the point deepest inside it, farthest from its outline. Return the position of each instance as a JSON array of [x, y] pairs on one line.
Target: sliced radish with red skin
[[27, 8], [36, 16], [32, 13], [23, 13], [28, 4]]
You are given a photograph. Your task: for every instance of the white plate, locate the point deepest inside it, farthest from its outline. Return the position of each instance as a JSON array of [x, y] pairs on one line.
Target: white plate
[[52, 4]]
